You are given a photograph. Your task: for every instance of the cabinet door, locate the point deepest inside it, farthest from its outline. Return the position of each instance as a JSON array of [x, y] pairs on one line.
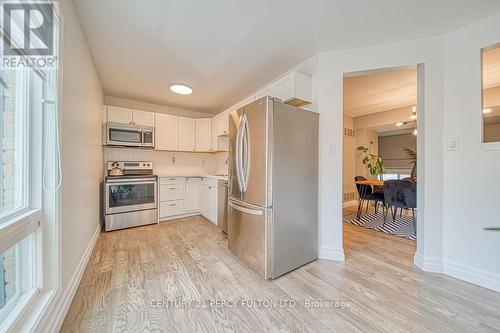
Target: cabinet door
[[204, 200], [143, 118], [213, 204], [119, 115], [284, 89], [192, 201], [187, 133], [167, 132], [204, 135]]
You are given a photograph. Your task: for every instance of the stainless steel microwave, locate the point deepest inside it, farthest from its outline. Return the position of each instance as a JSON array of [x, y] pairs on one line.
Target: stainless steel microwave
[[129, 135]]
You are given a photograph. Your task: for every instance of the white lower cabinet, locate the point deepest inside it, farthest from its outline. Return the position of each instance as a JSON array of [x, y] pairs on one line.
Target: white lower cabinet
[[182, 196], [192, 200], [209, 197], [171, 208]]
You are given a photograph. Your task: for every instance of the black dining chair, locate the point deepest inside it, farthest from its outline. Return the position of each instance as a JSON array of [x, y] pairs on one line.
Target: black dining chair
[[400, 194], [366, 193]]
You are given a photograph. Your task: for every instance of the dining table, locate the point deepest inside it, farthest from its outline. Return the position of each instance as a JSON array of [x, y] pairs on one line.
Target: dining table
[[368, 182]]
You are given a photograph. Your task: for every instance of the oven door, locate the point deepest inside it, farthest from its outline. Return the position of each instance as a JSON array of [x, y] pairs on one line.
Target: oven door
[[124, 135], [130, 195]]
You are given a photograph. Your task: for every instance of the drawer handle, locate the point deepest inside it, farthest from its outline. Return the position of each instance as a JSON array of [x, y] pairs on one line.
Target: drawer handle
[[172, 178], [172, 205], [173, 188]]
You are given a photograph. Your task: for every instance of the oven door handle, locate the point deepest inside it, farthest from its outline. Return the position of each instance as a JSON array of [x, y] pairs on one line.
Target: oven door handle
[[131, 181]]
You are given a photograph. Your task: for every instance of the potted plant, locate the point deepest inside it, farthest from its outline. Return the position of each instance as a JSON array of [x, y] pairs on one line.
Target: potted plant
[[373, 162], [412, 156]]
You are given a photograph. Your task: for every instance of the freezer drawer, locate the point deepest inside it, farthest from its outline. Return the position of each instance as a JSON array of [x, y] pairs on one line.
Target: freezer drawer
[[248, 232]]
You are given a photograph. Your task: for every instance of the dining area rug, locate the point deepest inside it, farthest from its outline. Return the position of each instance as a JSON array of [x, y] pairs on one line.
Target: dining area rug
[[404, 226]]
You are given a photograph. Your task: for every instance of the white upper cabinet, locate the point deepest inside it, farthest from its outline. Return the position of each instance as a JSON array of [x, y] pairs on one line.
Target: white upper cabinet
[[187, 134], [119, 115], [220, 124], [295, 89], [167, 132], [143, 118], [203, 135]]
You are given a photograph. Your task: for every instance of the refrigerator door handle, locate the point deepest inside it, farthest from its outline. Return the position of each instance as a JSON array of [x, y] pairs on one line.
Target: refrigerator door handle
[[245, 210], [237, 155], [246, 144]]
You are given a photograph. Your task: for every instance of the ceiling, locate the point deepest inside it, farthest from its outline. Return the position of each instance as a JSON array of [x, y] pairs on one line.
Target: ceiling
[[381, 91], [226, 49], [491, 67]]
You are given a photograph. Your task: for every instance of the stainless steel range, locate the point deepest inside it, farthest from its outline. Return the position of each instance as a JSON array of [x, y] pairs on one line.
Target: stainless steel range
[[130, 196]]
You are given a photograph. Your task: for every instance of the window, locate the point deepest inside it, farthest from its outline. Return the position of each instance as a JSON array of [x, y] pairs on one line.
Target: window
[[20, 186], [18, 278], [395, 174], [29, 179]]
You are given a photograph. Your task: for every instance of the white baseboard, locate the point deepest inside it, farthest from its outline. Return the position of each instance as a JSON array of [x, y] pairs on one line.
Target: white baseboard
[[473, 275], [434, 265], [331, 254], [54, 320], [459, 271], [179, 216]]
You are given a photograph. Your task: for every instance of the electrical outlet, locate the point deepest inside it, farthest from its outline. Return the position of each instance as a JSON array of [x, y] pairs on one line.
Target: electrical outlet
[[173, 159]]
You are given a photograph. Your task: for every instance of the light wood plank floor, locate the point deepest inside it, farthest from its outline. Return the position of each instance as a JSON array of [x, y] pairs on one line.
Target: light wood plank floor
[[132, 270]]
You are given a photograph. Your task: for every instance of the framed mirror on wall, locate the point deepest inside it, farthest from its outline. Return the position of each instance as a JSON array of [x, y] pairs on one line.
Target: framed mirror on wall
[[490, 60]]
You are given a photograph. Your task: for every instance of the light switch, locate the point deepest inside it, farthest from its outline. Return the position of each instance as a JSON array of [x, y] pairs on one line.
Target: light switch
[[452, 144]]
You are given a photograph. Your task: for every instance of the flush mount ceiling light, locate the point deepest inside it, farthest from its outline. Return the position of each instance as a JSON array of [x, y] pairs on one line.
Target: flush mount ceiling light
[[413, 120], [487, 110], [181, 89]]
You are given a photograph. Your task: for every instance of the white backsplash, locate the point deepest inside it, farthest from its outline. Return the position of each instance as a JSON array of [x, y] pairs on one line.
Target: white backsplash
[[185, 163], [221, 163]]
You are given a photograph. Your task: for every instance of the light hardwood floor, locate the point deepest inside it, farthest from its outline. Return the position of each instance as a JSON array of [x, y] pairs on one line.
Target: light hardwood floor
[[131, 270]]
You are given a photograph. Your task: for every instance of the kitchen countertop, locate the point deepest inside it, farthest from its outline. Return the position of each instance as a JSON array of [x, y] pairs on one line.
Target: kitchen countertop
[[203, 175]]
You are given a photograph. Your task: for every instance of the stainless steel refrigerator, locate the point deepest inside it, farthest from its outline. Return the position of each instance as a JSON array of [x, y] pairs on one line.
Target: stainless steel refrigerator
[[273, 186]]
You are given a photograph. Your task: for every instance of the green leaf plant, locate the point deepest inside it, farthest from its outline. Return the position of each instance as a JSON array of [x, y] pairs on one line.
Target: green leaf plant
[[373, 162]]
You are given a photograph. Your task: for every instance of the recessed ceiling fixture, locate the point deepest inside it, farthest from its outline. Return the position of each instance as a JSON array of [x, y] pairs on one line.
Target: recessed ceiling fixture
[[487, 110], [181, 89]]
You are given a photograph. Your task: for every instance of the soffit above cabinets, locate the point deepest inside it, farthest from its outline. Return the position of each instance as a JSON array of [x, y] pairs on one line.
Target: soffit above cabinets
[[226, 49]]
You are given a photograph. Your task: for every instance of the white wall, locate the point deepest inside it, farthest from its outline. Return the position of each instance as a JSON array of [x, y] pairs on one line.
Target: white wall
[[328, 79], [471, 174], [364, 137], [349, 161]]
